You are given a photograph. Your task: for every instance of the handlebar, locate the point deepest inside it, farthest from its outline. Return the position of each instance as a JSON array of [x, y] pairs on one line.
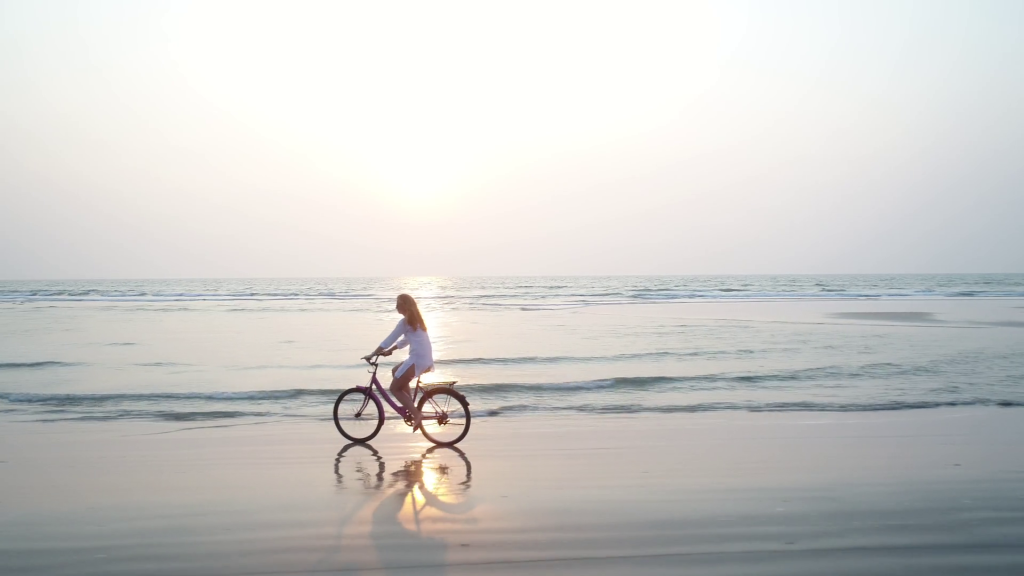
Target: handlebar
[[377, 356]]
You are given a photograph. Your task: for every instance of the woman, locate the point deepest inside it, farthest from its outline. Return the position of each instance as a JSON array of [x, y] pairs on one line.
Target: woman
[[411, 331]]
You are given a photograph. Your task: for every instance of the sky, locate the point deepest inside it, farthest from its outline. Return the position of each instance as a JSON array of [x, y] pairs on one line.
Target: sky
[[296, 139]]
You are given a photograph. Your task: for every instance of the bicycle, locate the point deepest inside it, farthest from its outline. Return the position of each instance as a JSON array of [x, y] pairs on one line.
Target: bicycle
[[359, 414]]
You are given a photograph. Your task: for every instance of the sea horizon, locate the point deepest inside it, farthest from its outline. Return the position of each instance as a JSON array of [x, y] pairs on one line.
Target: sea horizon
[[471, 276]]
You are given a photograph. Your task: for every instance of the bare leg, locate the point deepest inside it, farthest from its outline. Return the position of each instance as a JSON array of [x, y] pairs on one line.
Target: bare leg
[[400, 388]]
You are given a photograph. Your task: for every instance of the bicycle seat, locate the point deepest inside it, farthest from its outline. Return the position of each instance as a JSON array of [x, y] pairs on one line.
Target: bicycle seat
[[420, 377]]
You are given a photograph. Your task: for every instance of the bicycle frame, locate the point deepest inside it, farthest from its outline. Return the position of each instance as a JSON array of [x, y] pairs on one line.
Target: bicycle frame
[[398, 408], [374, 382]]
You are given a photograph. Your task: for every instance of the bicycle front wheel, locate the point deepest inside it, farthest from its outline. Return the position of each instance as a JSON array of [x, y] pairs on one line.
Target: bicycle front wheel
[[358, 415], [445, 416]]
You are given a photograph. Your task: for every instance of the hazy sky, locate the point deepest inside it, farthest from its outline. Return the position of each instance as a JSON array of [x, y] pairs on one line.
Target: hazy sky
[[145, 139]]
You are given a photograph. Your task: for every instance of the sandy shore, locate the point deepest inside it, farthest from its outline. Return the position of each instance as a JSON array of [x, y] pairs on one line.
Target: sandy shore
[[929, 492]]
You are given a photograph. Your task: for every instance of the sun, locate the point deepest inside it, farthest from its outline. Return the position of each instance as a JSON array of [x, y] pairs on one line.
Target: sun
[[418, 167]]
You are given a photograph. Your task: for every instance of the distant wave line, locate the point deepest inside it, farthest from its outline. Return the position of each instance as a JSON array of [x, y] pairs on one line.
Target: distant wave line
[[494, 361], [159, 415], [42, 364], [538, 300]]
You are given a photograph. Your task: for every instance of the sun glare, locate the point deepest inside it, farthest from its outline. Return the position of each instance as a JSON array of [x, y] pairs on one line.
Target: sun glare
[[421, 104]]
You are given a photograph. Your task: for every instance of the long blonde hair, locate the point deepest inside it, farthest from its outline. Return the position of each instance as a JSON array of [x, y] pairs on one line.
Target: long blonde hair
[[412, 312]]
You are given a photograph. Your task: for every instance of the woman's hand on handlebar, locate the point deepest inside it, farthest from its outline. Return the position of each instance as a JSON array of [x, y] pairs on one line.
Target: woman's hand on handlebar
[[379, 352]]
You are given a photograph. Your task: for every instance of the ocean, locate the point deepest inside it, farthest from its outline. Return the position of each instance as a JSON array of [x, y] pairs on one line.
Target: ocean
[[217, 352]]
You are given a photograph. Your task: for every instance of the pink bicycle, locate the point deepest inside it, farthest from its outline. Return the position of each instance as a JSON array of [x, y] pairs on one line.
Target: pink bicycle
[[359, 415]]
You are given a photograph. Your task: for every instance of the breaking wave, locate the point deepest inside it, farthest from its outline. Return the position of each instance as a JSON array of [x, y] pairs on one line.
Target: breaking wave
[[617, 395], [749, 407], [497, 390]]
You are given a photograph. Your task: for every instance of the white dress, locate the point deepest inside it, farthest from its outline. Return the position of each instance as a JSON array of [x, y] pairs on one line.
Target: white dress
[[420, 352]]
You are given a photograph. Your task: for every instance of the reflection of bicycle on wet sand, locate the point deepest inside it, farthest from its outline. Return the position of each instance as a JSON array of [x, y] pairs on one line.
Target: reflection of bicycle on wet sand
[[366, 467], [359, 415], [436, 480], [442, 473]]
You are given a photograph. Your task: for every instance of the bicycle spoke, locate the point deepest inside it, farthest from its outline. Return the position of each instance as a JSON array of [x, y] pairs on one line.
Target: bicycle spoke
[[450, 419], [356, 416]]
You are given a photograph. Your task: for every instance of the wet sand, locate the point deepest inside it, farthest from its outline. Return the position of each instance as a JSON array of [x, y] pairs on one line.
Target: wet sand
[[930, 492]]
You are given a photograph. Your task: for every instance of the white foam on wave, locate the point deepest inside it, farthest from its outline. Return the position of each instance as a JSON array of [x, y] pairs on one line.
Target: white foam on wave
[[544, 294]]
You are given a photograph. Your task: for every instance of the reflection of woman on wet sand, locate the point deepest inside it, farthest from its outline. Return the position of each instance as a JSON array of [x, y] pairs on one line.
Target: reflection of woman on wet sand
[[418, 484], [397, 545], [359, 470]]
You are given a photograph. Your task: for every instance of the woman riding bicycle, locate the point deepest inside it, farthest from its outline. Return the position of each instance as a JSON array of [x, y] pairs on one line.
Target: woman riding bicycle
[[411, 331]]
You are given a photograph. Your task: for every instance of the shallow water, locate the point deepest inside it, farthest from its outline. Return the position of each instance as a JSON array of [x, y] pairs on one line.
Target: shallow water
[[218, 350]]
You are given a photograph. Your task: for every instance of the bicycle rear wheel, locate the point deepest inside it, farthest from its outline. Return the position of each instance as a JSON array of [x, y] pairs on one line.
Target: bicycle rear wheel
[[446, 416], [358, 415]]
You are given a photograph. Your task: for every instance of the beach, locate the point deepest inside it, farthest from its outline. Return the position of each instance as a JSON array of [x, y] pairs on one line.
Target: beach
[[929, 491], [727, 425], [702, 288]]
